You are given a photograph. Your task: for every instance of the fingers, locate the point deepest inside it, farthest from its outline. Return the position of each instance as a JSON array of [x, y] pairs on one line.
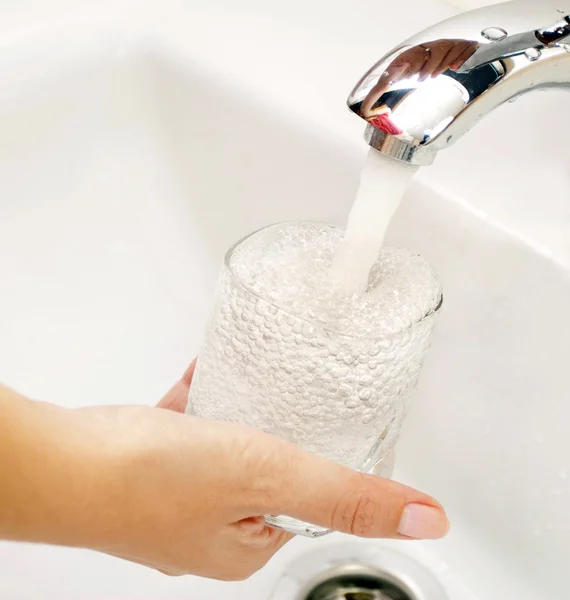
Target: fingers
[[247, 547], [452, 56], [329, 495], [256, 534], [457, 55], [438, 52], [177, 398], [262, 550], [464, 56], [426, 60], [394, 73], [189, 373], [446, 54]]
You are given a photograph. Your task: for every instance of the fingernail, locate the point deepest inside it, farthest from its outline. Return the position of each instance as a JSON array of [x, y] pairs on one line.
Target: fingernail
[[423, 522]]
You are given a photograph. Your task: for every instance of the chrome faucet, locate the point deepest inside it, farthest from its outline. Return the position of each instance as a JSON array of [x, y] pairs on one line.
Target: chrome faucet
[[432, 89]]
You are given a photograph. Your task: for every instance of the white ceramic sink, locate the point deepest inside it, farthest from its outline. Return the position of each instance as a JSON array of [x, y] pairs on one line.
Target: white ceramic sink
[[139, 143]]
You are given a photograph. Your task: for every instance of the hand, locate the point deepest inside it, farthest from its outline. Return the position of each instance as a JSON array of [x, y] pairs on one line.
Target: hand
[[245, 474], [426, 60], [184, 495]]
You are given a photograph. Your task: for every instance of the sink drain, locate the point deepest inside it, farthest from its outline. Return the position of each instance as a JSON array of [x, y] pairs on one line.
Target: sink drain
[[357, 571], [357, 582]]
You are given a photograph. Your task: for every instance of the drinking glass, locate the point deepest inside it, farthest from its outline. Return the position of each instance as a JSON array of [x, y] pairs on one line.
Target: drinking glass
[[274, 361]]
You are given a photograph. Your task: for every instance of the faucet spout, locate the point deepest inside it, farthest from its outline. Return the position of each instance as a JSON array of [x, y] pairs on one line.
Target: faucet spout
[[426, 93]]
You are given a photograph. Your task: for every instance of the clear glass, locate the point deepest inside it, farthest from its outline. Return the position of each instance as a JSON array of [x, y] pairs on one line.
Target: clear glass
[[274, 360]]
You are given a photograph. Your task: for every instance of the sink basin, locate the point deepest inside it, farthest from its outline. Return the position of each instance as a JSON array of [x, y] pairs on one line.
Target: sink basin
[[136, 149]]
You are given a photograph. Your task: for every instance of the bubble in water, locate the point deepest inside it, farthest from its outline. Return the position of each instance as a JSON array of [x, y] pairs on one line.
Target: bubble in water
[[325, 370]]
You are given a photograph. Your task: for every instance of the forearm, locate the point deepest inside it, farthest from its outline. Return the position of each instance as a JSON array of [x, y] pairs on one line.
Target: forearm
[[53, 484]]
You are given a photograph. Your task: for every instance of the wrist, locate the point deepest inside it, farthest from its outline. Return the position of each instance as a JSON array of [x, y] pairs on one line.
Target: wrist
[[55, 479]]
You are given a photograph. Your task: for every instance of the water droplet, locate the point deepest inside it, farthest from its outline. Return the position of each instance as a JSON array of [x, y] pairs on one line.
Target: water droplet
[[549, 526], [563, 474], [533, 54], [494, 34], [513, 100]]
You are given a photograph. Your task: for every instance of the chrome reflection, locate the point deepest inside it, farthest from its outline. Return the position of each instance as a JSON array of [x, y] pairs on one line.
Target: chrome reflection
[[424, 95]]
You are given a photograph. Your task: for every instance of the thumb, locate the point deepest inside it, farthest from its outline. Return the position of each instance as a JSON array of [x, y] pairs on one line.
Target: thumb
[[329, 495]]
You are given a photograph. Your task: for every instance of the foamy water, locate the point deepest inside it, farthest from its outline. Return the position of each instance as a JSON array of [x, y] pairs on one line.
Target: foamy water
[[318, 336], [382, 185], [288, 354]]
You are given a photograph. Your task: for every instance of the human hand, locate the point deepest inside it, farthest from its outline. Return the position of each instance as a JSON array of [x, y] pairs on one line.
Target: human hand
[[184, 495], [426, 60], [240, 474]]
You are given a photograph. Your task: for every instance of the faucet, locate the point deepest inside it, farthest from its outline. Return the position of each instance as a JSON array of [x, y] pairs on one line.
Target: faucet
[[426, 93]]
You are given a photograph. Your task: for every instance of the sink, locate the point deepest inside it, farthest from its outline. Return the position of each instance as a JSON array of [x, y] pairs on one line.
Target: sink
[[136, 149]]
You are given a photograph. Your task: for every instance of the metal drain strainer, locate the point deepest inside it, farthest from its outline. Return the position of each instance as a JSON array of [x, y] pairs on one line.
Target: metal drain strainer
[[357, 571], [356, 582]]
